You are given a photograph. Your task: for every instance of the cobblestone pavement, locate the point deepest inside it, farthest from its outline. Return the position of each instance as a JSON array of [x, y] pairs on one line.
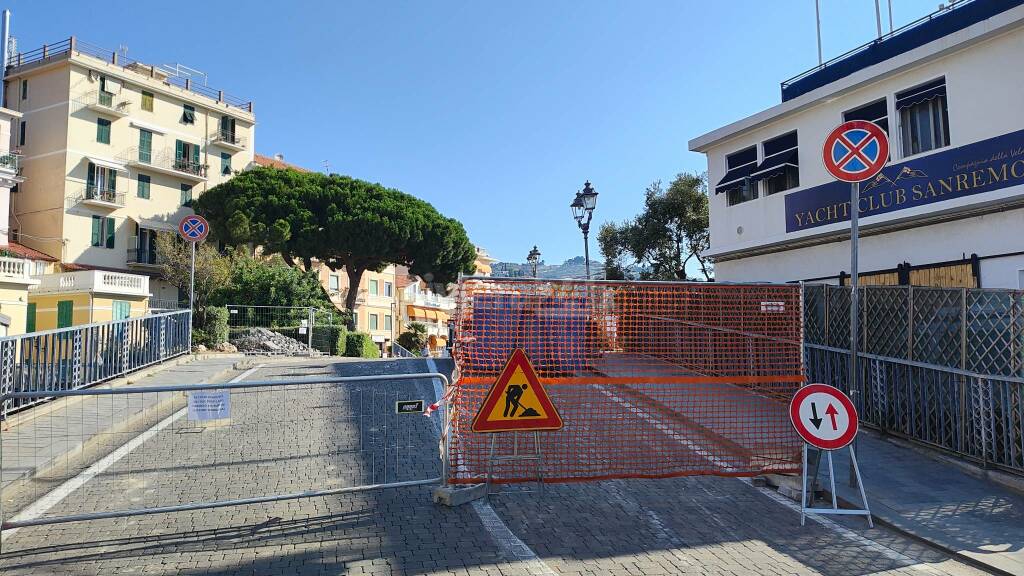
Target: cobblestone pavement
[[304, 437]]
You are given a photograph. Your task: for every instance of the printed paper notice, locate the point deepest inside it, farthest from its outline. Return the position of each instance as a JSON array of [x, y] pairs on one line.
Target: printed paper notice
[[209, 405]]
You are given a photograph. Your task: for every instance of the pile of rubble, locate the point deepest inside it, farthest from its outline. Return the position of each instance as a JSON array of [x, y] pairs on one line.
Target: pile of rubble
[[264, 341]]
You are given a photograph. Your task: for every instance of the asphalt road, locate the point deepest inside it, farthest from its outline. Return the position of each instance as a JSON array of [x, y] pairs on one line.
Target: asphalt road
[[312, 436]]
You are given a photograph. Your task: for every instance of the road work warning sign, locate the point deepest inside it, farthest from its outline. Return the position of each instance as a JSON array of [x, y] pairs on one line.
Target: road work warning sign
[[517, 401]]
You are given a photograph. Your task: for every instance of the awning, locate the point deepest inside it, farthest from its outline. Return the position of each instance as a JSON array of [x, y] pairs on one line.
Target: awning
[[734, 178], [161, 225], [149, 127], [775, 165], [921, 94], [107, 163], [437, 341], [421, 313], [442, 316]]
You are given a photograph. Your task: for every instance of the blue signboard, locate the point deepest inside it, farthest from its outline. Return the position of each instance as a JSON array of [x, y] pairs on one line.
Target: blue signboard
[[964, 171]]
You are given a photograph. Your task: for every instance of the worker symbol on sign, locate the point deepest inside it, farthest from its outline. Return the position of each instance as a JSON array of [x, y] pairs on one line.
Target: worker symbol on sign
[[517, 401]]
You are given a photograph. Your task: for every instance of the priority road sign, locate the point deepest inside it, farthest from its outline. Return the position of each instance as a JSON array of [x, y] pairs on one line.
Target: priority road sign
[[193, 228], [855, 151], [823, 416], [517, 401]]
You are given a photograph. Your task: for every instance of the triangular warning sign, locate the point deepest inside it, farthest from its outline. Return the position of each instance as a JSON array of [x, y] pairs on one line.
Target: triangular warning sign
[[517, 401]]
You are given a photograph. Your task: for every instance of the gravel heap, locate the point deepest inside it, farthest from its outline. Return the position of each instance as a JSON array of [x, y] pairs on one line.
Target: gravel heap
[[263, 341]]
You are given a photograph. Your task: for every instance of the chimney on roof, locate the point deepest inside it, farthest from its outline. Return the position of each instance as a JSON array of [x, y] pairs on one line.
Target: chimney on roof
[[279, 157]]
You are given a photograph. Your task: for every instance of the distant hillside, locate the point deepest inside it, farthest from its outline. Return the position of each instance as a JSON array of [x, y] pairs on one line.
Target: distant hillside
[[571, 268]]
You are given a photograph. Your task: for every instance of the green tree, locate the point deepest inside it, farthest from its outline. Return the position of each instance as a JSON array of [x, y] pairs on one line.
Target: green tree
[[212, 269], [671, 232], [340, 221], [268, 283], [415, 338]]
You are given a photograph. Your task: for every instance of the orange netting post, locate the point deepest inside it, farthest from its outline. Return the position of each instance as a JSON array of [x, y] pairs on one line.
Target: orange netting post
[[651, 379]]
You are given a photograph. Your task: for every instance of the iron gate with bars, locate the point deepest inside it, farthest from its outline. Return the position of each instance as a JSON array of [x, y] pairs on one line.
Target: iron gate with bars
[[941, 366], [320, 330]]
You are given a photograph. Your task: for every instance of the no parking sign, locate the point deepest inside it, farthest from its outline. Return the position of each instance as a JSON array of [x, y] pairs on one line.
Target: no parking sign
[[855, 151], [193, 228]]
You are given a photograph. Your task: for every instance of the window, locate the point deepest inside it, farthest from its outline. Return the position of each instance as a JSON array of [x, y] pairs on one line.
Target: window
[[144, 184], [225, 163], [21, 133], [145, 146], [40, 268], [355, 319], [188, 114], [103, 131], [106, 97], [30, 317], [227, 129], [65, 312], [877, 112], [387, 322], [24, 89], [102, 232], [387, 288], [101, 183], [186, 194], [924, 120], [737, 184], [186, 157], [373, 287], [373, 321], [147, 101], [333, 282], [780, 169], [121, 309]]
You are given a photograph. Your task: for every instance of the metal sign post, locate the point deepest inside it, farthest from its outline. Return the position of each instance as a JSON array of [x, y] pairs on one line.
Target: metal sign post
[[825, 418], [853, 152], [193, 229]]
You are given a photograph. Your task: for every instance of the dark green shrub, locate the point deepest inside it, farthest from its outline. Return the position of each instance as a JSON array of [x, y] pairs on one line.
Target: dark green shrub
[[214, 328], [360, 345]]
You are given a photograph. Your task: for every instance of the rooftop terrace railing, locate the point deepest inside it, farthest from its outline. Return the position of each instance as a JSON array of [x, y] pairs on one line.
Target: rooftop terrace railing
[[74, 45]]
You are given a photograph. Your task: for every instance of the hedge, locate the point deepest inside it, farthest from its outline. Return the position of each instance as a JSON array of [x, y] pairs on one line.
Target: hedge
[[214, 330], [360, 345]]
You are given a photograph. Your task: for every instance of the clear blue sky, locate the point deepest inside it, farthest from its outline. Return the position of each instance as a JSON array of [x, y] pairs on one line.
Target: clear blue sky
[[495, 112]]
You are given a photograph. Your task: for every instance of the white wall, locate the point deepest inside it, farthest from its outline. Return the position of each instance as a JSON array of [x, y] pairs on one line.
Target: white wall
[[984, 84]]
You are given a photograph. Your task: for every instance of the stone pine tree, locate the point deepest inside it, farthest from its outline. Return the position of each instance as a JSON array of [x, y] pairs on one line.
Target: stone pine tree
[[340, 221], [670, 233]]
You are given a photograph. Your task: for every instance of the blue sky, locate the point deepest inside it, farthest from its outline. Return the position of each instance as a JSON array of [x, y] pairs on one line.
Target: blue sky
[[495, 112]]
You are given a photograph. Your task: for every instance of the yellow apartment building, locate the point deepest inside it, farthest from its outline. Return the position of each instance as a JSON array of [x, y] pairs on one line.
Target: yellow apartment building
[[376, 311], [113, 150], [419, 303]]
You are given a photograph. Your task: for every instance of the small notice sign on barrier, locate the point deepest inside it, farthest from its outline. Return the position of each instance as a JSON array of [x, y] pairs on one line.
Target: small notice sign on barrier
[[209, 405]]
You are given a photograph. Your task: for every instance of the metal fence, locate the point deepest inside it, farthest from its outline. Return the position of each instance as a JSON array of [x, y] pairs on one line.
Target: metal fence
[[315, 330], [942, 366], [76, 357], [160, 449]]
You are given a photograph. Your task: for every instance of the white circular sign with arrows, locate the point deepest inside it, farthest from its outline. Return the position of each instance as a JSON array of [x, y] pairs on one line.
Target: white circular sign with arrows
[[823, 416]]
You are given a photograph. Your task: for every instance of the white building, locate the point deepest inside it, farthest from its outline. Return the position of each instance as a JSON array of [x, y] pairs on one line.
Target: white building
[[949, 208]]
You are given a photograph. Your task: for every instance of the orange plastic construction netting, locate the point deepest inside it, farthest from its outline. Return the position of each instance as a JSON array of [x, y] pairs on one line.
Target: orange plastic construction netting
[[651, 379]]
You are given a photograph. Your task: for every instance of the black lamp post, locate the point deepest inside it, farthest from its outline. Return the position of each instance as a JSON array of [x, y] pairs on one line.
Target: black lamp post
[[533, 257], [583, 211]]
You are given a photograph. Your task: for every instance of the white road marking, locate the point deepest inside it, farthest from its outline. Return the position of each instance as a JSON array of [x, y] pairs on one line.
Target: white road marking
[[510, 544], [44, 504]]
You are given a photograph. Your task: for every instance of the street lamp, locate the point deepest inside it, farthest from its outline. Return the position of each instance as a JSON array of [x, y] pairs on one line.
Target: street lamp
[[533, 257], [583, 211]]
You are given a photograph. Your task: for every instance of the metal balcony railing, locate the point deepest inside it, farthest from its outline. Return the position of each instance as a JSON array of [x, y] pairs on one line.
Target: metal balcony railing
[[228, 137], [143, 256], [163, 160], [99, 194], [10, 162], [115, 103]]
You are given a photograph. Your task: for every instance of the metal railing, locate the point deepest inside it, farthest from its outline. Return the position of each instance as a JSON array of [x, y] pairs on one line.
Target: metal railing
[[974, 415], [399, 351], [326, 435], [108, 195], [11, 162], [157, 305], [164, 159], [73, 44], [228, 137], [114, 103], [143, 256], [80, 356], [286, 330]]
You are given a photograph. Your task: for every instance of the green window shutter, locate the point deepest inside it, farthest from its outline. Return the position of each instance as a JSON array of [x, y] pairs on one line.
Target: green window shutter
[[113, 180], [103, 130], [30, 318], [186, 195], [179, 150], [144, 182], [195, 156], [121, 310], [65, 310], [145, 145], [97, 223], [225, 163], [91, 178], [110, 232]]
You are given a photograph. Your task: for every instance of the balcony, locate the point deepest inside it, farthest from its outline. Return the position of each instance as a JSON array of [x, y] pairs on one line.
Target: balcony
[[16, 271], [106, 103], [143, 257], [101, 197], [228, 139], [164, 162], [94, 281], [10, 170]]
